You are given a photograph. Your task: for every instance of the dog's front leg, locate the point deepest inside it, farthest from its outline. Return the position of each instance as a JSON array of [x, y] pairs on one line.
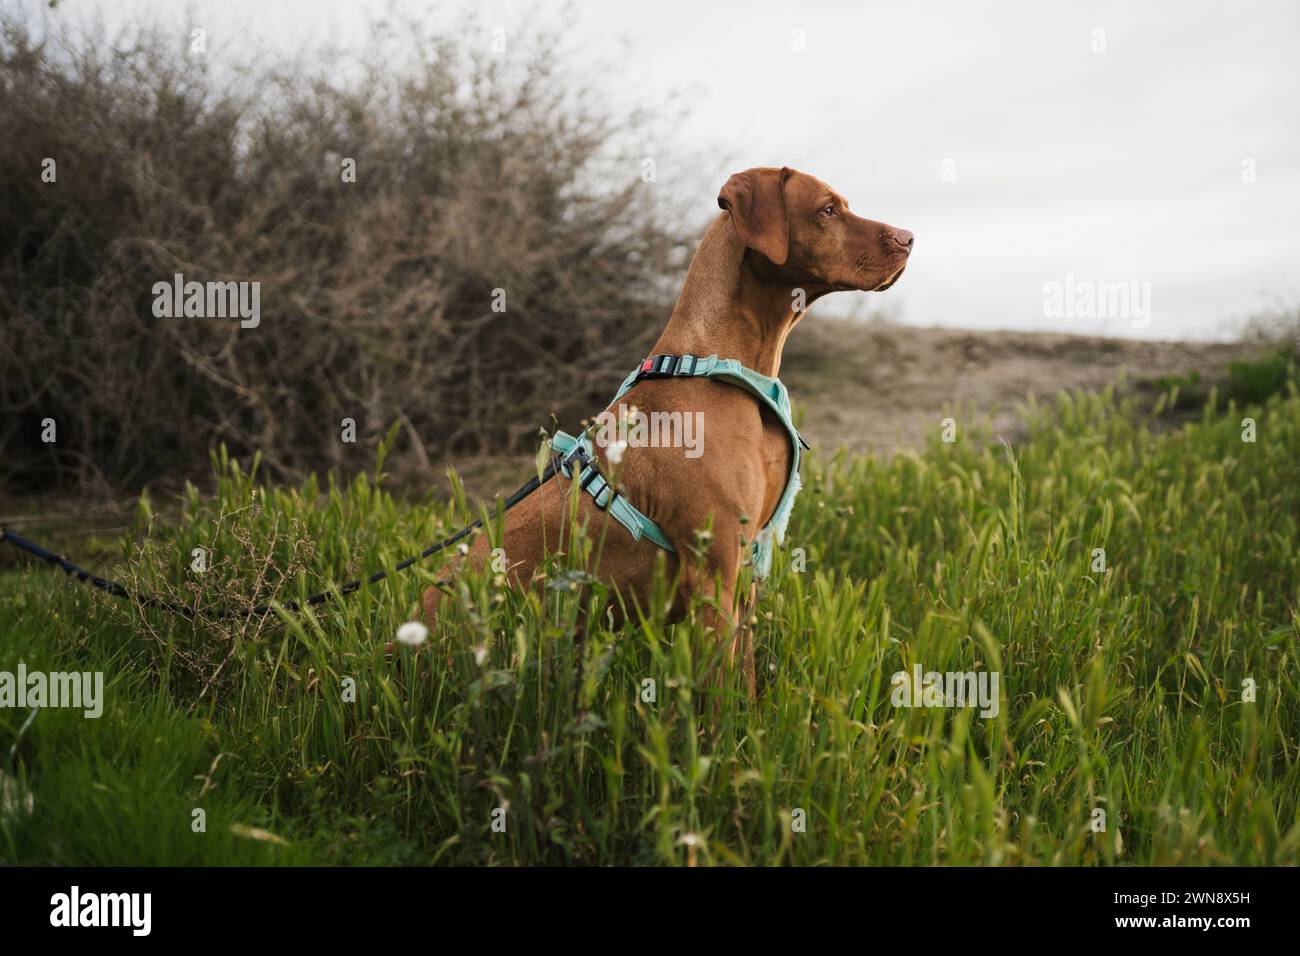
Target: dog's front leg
[[743, 642], [712, 580]]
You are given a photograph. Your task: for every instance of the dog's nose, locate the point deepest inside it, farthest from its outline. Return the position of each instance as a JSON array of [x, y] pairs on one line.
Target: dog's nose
[[903, 238]]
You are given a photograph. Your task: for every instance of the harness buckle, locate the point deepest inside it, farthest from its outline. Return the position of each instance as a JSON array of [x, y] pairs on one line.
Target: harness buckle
[[665, 366], [578, 454], [587, 473]]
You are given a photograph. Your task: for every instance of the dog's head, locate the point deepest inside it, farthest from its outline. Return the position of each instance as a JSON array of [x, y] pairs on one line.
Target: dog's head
[[805, 231]]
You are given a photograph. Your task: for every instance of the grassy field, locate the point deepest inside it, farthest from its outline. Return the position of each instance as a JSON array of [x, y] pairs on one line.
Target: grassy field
[[1120, 690]]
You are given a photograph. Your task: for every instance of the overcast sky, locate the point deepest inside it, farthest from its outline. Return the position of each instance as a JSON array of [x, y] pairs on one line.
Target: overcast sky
[[1022, 142]]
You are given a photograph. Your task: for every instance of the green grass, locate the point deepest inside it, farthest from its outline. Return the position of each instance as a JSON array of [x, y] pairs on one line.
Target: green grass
[[1120, 691], [1246, 382]]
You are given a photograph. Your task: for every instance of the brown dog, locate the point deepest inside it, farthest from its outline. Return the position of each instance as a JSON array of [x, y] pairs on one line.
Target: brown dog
[[783, 231]]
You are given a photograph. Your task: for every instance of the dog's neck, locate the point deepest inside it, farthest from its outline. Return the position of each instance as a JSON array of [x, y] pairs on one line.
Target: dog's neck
[[726, 309]]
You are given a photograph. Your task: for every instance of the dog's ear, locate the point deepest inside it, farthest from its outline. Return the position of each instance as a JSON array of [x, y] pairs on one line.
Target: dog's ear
[[756, 201]]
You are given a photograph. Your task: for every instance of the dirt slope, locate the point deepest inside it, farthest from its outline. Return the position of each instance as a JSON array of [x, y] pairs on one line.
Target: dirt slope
[[879, 387]]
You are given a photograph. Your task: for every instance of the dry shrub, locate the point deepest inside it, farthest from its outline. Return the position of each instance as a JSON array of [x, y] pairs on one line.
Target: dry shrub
[[474, 173]]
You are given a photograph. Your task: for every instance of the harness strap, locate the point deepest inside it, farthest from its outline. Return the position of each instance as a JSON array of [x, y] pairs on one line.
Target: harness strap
[[769, 390], [576, 456]]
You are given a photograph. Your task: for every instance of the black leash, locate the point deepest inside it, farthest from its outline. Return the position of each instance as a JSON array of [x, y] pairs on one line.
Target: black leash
[[9, 536]]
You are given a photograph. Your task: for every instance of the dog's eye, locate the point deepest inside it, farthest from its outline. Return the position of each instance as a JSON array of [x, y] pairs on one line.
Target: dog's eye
[[829, 210]]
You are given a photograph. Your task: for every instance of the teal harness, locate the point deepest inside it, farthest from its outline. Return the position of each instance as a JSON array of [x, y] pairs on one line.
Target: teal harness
[[576, 456]]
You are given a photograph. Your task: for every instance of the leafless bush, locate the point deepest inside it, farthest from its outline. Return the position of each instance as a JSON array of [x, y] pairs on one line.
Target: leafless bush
[[473, 173], [1278, 326]]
